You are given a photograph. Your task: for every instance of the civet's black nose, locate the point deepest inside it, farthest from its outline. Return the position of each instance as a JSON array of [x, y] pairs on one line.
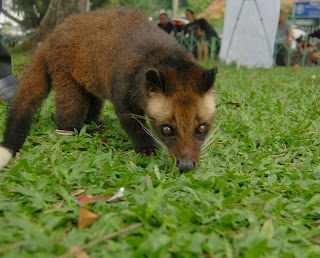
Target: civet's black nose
[[186, 164]]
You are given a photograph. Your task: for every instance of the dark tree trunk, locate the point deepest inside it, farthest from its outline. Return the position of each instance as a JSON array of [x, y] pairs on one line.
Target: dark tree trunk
[[57, 11]]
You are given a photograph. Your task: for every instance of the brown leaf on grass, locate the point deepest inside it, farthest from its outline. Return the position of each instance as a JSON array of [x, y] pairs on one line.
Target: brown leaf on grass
[[254, 76], [86, 218], [317, 223], [220, 144], [78, 252], [105, 142], [77, 192], [239, 236], [237, 104], [315, 239], [295, 68], [84, 199], [58, 205], [297, 166]]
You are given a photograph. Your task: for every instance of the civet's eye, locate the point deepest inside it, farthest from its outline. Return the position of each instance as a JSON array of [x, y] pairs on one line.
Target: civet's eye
[[167, 131], [201, 130]]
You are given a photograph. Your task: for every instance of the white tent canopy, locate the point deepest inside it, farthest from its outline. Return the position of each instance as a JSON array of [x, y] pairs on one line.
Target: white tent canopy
[[249, 32]]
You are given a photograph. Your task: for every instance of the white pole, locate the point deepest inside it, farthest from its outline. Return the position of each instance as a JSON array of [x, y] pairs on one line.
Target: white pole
[[245, 26], [175, 5]]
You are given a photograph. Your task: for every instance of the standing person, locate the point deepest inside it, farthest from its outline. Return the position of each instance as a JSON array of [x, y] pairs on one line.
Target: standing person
[[166, 25], [200, 26], [313, 52], [8, 83], [283, 39]]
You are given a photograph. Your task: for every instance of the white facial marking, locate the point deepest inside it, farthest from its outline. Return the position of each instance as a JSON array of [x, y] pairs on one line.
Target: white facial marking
[[207, 106], [159, 106]]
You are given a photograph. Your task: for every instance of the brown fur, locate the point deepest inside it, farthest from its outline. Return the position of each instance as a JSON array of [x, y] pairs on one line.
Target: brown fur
[[106, 54]]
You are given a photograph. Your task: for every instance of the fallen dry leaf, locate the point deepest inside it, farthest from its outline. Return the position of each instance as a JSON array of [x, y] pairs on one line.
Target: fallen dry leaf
[[78, 252], [315, 239], [220, 144], [84, 199], [297, 166], [77, 192], [295, 68], [58, 205], [105, 142], [254, 76], [237, 104], [86, 218]]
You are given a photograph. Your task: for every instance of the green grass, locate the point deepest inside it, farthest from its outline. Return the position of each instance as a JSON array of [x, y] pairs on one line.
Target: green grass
[[255, 194]]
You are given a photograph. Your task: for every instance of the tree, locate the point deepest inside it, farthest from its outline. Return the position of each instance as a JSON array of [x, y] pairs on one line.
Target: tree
[[57, 11], [33, 11], [199, 5]]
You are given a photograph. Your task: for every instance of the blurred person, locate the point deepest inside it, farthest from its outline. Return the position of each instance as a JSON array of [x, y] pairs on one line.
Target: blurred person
[[283, 39], [166, 25], [8, 83], [315, 34], [313, 52], [200, 26]]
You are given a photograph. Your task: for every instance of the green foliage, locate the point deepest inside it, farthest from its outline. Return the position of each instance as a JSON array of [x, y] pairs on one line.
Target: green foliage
[[197, 6], [164, 4], [33, 11], [147, 6], [94, 4], [256, 192]]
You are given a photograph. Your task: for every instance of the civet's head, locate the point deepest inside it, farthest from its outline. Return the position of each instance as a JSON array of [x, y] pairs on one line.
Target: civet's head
[[181, 110]]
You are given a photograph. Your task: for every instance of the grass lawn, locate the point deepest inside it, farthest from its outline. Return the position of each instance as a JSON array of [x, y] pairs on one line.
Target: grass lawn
[[256, 192]]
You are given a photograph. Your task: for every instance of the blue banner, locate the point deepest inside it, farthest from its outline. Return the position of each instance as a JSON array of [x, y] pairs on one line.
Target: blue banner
[[306, 10]]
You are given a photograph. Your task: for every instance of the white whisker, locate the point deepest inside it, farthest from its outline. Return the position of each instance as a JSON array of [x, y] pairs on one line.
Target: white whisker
[[212, 136], [157, 140]]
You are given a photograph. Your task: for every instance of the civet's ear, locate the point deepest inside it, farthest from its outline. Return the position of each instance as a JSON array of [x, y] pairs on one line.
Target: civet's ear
[[155, 81], [209, 77]]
